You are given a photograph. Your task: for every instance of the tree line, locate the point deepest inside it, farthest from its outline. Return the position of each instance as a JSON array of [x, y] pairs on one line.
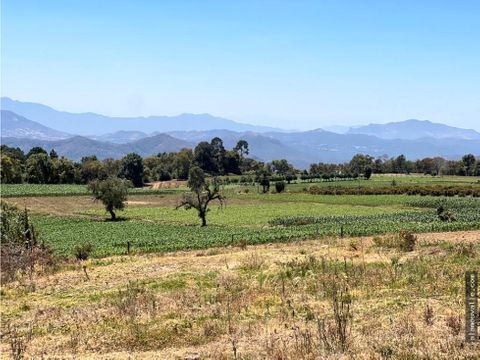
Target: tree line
[[365, 165], [41, 167]]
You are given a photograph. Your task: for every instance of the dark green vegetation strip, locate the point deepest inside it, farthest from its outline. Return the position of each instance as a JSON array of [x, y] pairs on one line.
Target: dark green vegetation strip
[[432, 190]]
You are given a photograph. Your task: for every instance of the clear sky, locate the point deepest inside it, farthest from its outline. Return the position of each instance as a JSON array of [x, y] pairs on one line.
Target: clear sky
[[293, 64]]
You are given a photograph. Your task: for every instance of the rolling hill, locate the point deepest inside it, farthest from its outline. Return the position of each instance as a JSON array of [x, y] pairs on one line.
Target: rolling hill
[[78, 146]]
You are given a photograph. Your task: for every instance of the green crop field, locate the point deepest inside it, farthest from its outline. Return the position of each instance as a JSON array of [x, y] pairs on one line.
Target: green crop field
[[151, 223], [34, 190], [254, 219]]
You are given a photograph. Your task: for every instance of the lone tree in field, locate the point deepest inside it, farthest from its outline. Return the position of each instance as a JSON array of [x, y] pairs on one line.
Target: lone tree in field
[[112, 192], [202, 193]]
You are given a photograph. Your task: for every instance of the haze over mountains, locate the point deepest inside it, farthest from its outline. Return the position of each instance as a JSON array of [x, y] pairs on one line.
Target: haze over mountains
[[414, 129], [28, 124], [83, 124]]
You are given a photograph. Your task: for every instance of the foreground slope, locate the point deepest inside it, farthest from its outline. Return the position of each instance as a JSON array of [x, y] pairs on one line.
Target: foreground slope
[[262, 302]]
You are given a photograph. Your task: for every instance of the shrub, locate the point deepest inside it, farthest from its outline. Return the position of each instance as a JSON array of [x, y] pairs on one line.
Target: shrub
[[466, 250], [21, 252], [428, 316], [404, 240], [334, 336], [280, 186], [454, 324], [445, 215], [83, 251], [253, 262], [407, 240]]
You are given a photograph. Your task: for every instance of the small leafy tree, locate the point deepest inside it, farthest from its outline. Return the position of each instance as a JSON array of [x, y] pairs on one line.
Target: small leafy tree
[[280, 186], [112, 192], [368, 173], [290, 177], [202, 193], [265, 183]]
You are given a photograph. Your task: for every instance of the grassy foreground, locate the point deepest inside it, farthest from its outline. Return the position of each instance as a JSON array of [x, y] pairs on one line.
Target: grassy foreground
[[263, 302]]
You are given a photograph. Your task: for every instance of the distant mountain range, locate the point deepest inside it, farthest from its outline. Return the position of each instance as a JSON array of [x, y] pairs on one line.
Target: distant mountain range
[[413, 138], [85, 123], [17, 126], [414, 129]]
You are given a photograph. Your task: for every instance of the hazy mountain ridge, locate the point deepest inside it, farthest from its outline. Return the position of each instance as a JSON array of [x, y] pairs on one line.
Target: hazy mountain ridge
[[83, 123], [120, 137], [14, 125], [300, 148], [414, 129]]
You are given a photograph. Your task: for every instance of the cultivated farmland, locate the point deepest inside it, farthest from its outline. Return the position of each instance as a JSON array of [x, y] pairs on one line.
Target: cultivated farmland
[[264, 277]]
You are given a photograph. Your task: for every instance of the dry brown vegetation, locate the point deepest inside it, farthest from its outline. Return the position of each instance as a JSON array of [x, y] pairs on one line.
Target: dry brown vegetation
[[334, 298], [74, 205]]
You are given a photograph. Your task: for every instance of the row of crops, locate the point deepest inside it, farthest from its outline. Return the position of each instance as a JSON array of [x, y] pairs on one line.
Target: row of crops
[[112, 238], [465, 210], [144, 235], [36, 190]]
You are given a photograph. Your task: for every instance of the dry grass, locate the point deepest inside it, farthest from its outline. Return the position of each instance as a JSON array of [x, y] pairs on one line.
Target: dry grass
[[305, 300], [74, 205]]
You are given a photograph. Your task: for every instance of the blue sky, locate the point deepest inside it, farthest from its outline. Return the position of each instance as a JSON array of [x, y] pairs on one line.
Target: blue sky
[[292, 64]]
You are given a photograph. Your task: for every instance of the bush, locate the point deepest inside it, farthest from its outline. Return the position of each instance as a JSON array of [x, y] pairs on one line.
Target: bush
[[404, 240], [21, 252], [280, 186], [83, 251], [408, 240], [445, 215]]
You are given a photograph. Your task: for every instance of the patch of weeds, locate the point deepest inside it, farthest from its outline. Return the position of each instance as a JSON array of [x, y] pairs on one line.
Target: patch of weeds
[[467, 250], [428, 315], [209, 252], [18, 340], [335, 333], [253, 262], [133, 300], [100, 262], [301, 267], [172, 283], [354, 245], [24, 307], [404, 240], [454, 324]]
